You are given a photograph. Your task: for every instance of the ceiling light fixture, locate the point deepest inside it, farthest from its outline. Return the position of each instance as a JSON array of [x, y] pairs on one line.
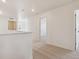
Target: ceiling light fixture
[[4, 1], [33, 10]]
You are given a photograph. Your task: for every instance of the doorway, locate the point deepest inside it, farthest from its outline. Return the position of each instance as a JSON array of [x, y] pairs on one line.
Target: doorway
[[43, 28]]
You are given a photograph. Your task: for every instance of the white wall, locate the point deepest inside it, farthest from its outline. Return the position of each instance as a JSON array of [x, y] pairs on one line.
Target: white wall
[[3, 24], [61, 25], [35, 28], [62, 30]]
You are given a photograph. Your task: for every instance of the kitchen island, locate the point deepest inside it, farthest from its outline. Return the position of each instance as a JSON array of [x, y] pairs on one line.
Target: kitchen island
[[16, 45]]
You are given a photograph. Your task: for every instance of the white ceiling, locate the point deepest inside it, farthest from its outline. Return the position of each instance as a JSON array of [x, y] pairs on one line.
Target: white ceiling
[[11, 7]]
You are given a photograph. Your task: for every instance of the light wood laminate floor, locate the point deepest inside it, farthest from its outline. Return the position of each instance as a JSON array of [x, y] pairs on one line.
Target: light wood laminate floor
[[45, 51]]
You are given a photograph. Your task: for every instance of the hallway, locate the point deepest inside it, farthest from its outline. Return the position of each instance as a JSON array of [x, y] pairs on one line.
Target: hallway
[[46, 51]]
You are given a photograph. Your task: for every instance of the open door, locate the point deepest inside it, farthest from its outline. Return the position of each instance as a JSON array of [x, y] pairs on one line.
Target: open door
[[77, 28]]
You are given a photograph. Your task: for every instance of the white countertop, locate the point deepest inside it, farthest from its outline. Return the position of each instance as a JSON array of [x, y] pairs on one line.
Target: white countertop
[[14, 32]]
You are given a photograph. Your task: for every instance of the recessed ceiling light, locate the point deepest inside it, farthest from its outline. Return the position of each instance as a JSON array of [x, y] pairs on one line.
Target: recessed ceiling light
[[0, 12], [33, 10], [4, 1]]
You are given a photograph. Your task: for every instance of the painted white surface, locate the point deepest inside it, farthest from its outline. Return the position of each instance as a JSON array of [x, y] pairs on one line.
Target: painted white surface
[[36, 28], [77, 28], [10, 7], [16, 46], [3, 24], [60, 24]]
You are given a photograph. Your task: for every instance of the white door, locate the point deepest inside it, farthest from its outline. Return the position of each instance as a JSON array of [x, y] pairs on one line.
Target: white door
[[77, 29]]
